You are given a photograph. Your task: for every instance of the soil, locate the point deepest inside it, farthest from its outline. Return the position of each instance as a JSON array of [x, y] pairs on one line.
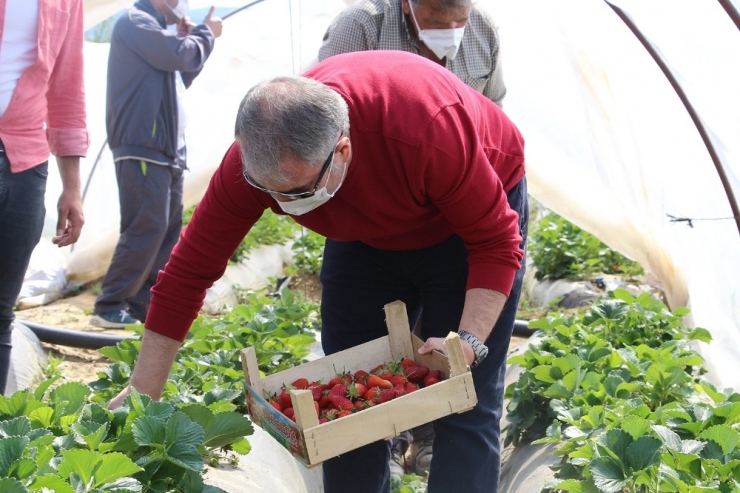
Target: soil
[[74, 312]]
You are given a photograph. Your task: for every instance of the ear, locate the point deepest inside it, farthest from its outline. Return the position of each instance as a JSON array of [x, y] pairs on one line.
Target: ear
[[344, 147], [406, 7]]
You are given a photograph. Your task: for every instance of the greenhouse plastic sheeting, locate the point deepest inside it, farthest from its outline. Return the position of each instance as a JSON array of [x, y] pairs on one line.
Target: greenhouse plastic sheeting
[[610, 146]]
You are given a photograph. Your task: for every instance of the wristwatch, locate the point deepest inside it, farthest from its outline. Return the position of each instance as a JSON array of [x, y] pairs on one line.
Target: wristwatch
[[479, 349]]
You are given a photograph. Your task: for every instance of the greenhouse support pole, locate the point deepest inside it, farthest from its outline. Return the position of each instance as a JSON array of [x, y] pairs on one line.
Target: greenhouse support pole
[[687, 104]]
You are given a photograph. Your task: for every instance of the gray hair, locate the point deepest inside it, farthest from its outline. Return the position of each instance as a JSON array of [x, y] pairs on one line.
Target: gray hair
[[445, 4], [288, 117]]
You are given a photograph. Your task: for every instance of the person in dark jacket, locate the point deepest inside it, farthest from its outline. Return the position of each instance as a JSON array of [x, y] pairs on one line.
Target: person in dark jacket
[[149, 68]]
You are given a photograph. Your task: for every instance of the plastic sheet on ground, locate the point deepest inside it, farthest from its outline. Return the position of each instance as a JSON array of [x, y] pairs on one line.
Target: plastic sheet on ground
[[27, 359]]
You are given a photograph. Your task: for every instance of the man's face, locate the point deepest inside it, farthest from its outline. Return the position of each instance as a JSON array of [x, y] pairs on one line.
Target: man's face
[[430, 14]]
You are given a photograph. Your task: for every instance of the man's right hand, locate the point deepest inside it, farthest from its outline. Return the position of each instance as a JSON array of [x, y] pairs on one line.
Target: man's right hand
[[215, 24], [117, 401]]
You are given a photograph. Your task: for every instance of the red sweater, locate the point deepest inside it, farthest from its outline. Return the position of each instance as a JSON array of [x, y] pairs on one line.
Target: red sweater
[[430, 158]]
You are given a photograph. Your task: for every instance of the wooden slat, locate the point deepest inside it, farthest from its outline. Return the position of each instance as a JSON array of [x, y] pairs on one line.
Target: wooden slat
[[251, 369], [434, 360], [386, 420], [399, 331], [453, 348], [305, 412]]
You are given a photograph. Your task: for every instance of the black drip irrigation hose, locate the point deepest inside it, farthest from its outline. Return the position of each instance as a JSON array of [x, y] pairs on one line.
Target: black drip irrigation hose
[[72, 338], [92, 340]]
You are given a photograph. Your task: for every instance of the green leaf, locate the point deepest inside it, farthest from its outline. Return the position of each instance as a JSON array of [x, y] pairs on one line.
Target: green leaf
[[113, 466], [226, 428], [608, 475], [74, 393], [558, 391], [669, 438], [41, 417], [11, 449], [183, 437], [51, 482], [241, 446], [148, 430], [616, 441], [643, 453], [78, 462], [725, 436], [93, 437], [8, 485], [635, 426], [20, 426], [700, 334]]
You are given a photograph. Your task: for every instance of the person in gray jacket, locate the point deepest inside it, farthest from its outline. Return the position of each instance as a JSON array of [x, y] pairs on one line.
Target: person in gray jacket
[[149, 67]]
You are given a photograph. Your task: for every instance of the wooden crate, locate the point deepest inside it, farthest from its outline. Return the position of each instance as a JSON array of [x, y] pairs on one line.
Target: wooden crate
[[311, 442]]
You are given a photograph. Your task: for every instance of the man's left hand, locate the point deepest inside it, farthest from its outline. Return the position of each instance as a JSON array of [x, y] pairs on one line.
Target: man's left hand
[[437, 343], [70, 219]]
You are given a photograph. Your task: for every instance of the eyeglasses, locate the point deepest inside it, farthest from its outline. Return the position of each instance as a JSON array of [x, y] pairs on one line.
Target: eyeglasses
[[299, 195]]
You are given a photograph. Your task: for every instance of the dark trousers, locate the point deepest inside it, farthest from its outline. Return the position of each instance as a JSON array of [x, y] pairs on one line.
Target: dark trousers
[[150, 198], [357, 281], [22, 214]]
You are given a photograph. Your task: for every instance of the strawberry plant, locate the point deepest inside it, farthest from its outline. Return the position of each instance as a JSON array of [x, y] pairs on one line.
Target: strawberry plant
[[619, 389], [57, 440], [207, 368], [562, 250]]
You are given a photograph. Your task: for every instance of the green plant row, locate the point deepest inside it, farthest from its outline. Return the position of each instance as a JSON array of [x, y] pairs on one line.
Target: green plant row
[[561, 250], [65, 440], [619, 390], [275, 229]]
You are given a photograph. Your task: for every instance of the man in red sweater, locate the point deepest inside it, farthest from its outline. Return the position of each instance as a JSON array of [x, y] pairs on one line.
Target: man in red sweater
[[417, 182]]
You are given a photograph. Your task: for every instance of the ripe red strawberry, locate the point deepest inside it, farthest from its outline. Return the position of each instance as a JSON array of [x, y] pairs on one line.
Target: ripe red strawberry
[[416, 374], [289, 412], [301, 383], [361, 376], [338, 389], [346, 379], [360, 404], [316, 406], [316, 391], [341, 402], [376, 381], [331, 414], [398, 380], [274, 403], [410, 387], [432, 378], [324, 401], [323, 420], [386, 375], [406, 363], [284, 399], [356, 390], [334, 381], [344, 413], [371, 394], [386, 395]]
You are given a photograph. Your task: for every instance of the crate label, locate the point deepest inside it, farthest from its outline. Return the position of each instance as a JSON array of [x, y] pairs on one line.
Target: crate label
[[279, 426]]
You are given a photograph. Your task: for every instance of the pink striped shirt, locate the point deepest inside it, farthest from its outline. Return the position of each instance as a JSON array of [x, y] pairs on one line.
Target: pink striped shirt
[[47, 110]]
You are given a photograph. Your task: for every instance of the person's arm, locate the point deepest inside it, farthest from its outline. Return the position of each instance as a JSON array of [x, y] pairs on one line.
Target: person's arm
[[166, 50], [215, 24], [70, 217], [480, 313], [221, 220], [461, 181], [495, 89], [152, 367]]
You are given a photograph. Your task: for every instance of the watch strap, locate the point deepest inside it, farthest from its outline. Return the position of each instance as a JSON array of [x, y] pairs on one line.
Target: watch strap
[[479, 349]]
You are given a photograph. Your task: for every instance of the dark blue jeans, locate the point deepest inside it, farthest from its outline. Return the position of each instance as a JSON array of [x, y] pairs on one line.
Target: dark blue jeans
[[357, 282], [22, 214], [151, 219]]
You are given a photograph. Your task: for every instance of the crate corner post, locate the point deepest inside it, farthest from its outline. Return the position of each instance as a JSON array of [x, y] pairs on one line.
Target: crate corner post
[[251, 369], [399, 330]]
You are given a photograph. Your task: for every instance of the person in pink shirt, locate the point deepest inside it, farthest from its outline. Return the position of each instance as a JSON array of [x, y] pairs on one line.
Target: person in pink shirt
[[42, 111]]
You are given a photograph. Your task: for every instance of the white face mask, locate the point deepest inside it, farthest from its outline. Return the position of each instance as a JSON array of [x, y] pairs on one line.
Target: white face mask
[[181, 9], [301, 206], [442, 42]]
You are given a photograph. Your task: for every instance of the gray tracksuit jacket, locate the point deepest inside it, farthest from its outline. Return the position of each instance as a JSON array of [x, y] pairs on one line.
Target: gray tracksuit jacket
[[141, 104]]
